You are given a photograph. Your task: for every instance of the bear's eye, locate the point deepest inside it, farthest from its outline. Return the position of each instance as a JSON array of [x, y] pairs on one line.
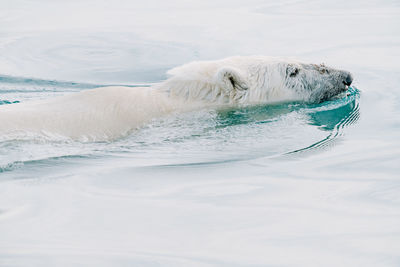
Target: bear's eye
[[323, 69], [294, 72]]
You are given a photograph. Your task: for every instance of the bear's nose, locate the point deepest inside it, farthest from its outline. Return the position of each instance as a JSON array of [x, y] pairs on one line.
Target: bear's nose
[[348, 80]]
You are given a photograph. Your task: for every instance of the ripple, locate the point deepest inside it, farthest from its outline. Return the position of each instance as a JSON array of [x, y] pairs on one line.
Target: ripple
[[98, 57], [333, 117]]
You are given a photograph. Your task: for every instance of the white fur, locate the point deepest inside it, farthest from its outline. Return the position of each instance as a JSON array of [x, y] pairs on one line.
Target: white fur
[[110, 112], [99, 114], [260, 80]]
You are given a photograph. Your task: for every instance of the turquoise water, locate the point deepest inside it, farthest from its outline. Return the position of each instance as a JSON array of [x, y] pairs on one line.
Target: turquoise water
[[287, 184]]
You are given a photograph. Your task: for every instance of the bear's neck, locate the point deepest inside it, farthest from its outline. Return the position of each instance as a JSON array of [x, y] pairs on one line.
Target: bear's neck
[[194, 91]]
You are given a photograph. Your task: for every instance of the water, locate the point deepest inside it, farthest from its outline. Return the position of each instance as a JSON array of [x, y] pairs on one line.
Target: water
[[276, 185]]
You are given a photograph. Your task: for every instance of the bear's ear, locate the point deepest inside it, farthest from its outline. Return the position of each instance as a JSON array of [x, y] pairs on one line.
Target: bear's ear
[[231, 80]]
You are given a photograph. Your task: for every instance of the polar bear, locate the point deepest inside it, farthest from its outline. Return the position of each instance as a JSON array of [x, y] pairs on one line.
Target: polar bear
[[110, 112]]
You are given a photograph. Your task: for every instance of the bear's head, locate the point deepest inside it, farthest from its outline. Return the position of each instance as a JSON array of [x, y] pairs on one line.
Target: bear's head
[[316, 83]]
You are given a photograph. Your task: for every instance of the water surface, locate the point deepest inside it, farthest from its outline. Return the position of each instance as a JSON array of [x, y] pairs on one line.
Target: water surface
[[288, 184]]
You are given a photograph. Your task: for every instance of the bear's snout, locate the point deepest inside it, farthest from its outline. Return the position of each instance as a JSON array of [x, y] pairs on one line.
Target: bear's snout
[[348, 79]]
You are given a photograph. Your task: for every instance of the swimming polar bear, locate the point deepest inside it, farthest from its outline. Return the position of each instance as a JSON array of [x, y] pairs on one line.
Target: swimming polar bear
[[110, 112]]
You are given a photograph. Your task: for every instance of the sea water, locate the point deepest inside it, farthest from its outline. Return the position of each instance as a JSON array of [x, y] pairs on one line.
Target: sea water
[[286, 184]]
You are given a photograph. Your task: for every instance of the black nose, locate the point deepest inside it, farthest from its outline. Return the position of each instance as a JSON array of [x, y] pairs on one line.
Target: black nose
[[348, 80]]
